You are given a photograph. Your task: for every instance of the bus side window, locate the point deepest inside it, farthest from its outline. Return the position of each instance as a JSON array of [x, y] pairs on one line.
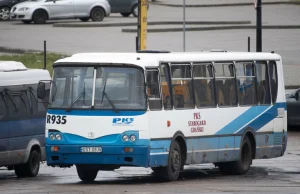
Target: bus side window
[[274, 80], [20, 102], [3, 110], [165, 86], [263, 94], [182, 87], [16, 105], [246, 85], [203, 85], [153, 92], [225, 84]]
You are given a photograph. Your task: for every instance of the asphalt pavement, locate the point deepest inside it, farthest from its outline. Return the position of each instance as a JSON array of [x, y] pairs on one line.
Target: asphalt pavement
[[277, 175]]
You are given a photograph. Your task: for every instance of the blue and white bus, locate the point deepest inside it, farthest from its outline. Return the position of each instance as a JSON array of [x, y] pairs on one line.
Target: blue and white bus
[[165, 110]]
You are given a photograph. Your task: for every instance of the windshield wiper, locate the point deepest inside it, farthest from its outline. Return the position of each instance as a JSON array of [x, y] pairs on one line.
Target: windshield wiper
[[82, 94], [108, 99]]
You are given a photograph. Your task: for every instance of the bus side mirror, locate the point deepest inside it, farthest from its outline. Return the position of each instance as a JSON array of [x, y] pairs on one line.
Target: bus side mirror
[[41, 90]]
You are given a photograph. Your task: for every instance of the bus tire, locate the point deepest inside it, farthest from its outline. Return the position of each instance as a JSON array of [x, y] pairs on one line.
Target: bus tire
[[241, 166], [32, 166], [86, 175], [172, 171]]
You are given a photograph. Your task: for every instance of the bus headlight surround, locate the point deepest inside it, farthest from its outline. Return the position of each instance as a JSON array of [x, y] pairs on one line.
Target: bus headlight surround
[[132, 138], [52, 136], [125, 138], [58, 137]]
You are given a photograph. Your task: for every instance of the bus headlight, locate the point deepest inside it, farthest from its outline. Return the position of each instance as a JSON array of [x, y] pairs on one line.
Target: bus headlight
[[52, 136], [58, 137], [125, 138], [132, 138]]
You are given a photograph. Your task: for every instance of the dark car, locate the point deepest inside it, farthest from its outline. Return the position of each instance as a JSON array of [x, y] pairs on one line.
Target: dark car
[[124, 7], [5, 6], [293, 108]]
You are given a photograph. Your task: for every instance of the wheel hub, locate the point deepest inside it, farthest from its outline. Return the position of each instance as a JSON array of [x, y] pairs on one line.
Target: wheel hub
[[4, 13], [97, 14], [175, 160]]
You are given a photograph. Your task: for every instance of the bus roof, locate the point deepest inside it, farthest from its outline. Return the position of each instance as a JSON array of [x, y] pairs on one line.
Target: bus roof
[[15, 73], [6, 66], [153, 59]]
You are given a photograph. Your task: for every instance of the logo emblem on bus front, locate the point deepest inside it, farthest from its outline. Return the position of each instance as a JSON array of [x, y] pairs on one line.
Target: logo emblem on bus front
[[91, 134]]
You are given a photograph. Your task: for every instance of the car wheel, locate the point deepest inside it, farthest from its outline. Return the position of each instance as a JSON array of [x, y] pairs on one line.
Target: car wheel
[[135, 11], [4, 13], [26, 21], [97, 14], [40, 16], [125, 14], [84, 19]]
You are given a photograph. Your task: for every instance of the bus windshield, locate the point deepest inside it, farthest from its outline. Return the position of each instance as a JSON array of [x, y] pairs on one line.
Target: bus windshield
[[109, 88]]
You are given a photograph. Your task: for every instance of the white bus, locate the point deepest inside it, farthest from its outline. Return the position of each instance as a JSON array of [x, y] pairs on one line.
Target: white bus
[[22, 118], [165, 110]]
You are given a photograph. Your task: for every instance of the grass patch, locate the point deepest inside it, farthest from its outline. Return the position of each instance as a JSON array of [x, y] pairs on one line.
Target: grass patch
[[34, 60]]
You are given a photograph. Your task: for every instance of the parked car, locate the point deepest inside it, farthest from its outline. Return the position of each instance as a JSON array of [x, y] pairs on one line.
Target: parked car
[[5, 7], [39, 11], [124, 7], [22, 118], [293, 108]]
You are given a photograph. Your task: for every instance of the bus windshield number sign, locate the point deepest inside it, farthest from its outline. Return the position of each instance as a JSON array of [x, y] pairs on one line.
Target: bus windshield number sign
[[56, 119]]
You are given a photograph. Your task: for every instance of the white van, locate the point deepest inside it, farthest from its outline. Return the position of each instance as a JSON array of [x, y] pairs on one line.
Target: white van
[[22, 118]]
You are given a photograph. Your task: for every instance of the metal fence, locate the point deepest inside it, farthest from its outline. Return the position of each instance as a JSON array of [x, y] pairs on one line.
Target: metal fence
[[291, 67]]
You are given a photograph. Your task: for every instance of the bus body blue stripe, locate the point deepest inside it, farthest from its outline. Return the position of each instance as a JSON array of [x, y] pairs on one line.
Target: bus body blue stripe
[[249, 115]]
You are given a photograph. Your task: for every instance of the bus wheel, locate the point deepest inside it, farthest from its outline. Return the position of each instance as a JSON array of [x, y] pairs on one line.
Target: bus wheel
[[33, 164], [172, 171], [241, 166], [86, 175]]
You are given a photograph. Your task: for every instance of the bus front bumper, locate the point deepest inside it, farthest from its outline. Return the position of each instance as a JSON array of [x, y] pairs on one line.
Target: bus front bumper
[[66, 155]]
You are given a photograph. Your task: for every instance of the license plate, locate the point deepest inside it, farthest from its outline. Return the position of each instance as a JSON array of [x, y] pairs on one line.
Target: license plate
[[91, 149]]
